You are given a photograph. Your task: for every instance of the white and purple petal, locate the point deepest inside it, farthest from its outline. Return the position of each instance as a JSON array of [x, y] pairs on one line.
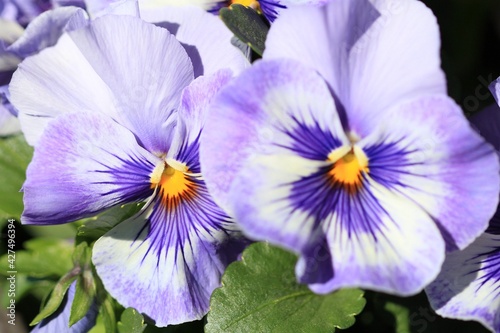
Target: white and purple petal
[[59, 320], [441, 164], [88, 69], [267, 104], [468, 286], [166, 261], [360, 50], [208, 42], [196, 100], [84, 164]]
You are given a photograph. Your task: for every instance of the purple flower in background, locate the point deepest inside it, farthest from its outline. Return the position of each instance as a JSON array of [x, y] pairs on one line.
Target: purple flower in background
[[469, 283], [115, 112], [342, 145], [59, 320], [17, 43]]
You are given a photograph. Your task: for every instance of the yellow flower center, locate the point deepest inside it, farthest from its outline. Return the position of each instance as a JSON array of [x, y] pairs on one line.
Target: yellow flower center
[[249, 3], [348, 165], [172, 183]]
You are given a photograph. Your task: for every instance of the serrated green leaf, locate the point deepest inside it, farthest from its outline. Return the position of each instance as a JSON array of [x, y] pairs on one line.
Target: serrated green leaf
[[15, 154], [56, 297], [95, 227], [43, 257], [247, 25], [131, 322], [260, 294]]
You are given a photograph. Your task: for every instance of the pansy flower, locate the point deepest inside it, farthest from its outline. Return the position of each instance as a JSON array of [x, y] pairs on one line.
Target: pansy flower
[[115, 112], [342, 146], [59, 320], [468, 286]]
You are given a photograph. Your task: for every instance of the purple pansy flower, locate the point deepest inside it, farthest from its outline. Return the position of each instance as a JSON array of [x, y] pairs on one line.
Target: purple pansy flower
[[342, 145], [115, 112], [59, 320], [468, 286]]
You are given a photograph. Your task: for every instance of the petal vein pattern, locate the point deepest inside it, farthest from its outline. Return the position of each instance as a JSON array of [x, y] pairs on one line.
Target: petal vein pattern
[[375, 209], [138, 140]]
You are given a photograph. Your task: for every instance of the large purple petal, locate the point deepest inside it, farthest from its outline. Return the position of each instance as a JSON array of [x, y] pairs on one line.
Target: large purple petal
[[447, 169], [166, 261], [88, 70], [148, 89], [84, 163], [363, 50], [206, 39], [373, 238], [469, 283], [266, 104]]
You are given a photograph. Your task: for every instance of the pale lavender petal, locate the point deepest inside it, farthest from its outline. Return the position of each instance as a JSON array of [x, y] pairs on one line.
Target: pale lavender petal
[[148, 89], [469, 284], [208, 42], [80, 74], [167, 261], [59, 320], [264, 105], [364, 50], [84, 163], [447, 169], [97, 8], [196, 99], [45, 30], [24, 11], [205, 4], [56, 81], [335, 27]]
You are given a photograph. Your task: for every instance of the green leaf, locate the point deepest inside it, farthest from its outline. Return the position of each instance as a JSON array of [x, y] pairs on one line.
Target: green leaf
[[56, 297], [247, 25], [95, 227], [43, 257], [15, 154], [260, 294], [131, 322], [85, 293], [107, 313], [401, 314]]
